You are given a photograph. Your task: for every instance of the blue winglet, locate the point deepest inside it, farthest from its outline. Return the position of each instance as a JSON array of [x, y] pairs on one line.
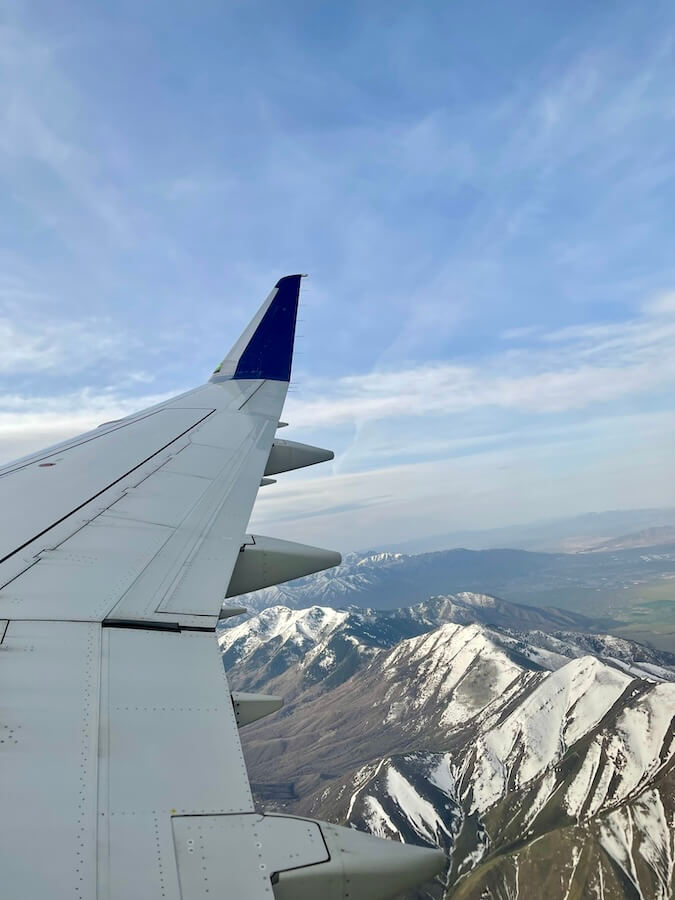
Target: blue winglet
[[265, 349], [269, 353]]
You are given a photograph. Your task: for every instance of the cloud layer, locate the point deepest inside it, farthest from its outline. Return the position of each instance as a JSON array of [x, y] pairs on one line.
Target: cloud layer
[[486, 215]]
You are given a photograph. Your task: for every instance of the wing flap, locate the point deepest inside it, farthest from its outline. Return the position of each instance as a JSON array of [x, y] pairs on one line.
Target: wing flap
[[241, 855], [199, 843]]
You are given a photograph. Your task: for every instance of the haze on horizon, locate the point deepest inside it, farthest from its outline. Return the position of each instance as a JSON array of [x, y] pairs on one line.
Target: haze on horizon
[[483, 197]]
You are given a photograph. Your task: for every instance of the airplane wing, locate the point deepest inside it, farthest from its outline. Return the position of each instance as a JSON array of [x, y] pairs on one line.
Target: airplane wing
[[121, 769]]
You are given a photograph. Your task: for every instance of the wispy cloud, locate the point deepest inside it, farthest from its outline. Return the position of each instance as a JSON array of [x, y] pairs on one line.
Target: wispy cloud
[[59, 347], [556, 471], [28, 136], [577, 367]]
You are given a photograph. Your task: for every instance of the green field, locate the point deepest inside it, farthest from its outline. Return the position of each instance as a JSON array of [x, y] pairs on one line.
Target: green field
[[649, 614], [637, 608]]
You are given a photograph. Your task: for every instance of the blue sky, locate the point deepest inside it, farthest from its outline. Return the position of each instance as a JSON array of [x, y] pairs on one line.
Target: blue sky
[[483, 196]]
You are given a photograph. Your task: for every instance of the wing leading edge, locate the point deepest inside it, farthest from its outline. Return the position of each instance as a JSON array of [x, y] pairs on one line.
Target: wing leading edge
[[121, 767]]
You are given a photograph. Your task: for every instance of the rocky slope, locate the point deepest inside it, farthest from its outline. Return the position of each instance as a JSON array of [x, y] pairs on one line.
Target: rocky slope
[[542, 769]]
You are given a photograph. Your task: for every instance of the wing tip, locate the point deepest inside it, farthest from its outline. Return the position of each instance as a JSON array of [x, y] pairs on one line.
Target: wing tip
[[265, 349], [285, 278]]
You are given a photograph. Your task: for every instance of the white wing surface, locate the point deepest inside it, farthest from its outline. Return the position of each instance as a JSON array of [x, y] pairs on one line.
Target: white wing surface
[[121, 770]]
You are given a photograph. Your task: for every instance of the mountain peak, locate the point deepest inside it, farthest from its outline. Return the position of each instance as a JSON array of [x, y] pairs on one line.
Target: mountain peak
[[381, 557], [301, 626]]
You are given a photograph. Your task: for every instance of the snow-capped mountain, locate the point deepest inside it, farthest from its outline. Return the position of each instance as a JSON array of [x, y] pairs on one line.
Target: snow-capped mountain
[[338, 586], [385, 580], [320, 643], [284, 650], [595, 589], [542, 769], [566, 791]]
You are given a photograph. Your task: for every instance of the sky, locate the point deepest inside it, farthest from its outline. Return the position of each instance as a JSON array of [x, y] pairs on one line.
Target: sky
[[483, 196]]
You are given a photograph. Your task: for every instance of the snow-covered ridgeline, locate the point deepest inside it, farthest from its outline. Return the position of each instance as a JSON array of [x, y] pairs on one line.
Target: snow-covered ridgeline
[[316, 626], [305, 627]]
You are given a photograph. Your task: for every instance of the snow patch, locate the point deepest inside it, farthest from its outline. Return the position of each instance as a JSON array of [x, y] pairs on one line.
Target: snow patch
[[376, 819], [421, 814], [637, 748], [616, 838], [541, 798], [441, 776], [655, 839], [577, 793]]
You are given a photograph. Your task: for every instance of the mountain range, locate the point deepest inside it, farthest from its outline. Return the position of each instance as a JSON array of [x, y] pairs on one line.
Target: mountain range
[[539, 756], [597, 591]]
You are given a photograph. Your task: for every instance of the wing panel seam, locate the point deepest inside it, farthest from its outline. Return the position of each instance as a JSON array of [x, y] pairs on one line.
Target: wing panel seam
[[252, 394], [154, 625], [103, 490], [120, 423]]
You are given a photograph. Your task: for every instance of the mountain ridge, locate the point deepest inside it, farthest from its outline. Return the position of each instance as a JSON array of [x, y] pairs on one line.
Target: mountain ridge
[[607, 591], [488, 741]]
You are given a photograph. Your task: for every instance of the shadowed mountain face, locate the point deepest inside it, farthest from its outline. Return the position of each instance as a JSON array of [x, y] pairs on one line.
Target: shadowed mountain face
[[542, 762]]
